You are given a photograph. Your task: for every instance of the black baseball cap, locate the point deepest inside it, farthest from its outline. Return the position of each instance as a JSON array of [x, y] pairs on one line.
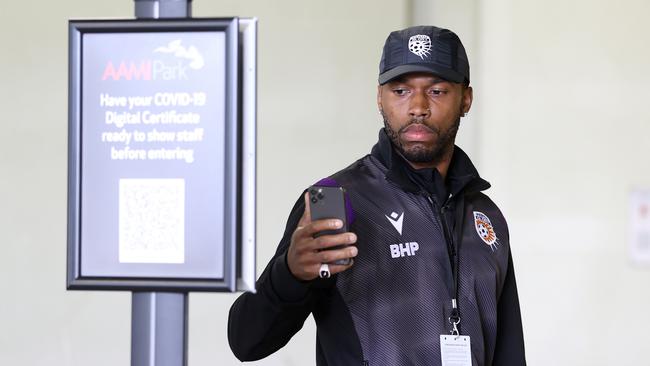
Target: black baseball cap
[[424, 49]]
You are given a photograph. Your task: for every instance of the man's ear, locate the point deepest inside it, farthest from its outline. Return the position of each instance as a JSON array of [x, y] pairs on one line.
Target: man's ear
[[468, 97], [379, 105]]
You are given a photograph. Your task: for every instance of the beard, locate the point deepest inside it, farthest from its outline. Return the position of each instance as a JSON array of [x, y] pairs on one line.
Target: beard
[[419, 153]]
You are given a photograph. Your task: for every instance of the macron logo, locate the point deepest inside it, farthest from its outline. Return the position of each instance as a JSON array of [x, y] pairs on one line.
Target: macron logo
[[402, 249], [396, 220]]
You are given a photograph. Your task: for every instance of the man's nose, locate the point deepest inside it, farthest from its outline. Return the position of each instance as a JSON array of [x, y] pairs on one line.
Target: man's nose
[[419, 106]]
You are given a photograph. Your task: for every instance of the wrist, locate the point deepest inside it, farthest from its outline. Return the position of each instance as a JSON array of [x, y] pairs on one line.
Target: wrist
[[285, 284]]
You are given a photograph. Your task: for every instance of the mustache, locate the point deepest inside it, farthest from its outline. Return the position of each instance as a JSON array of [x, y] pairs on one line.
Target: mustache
[[420, 122]]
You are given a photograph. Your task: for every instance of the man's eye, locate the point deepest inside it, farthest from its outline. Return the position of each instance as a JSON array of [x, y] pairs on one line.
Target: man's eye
[[438, 91], [400, 91]]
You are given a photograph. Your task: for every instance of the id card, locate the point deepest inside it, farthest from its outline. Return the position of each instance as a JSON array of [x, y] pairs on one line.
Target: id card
[[455, 350]]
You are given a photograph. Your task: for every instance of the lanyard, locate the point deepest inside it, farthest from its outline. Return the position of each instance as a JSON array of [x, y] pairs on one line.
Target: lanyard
[[454, 256]]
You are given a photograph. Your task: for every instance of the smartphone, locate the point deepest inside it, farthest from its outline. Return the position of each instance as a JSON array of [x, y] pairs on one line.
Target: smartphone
[[329, 203]]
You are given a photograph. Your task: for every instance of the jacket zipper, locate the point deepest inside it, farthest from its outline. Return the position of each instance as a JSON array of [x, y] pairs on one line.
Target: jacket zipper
[[449, 239]]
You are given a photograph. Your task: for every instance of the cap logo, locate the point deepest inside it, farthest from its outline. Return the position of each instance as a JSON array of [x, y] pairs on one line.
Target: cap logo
[[420, 45]]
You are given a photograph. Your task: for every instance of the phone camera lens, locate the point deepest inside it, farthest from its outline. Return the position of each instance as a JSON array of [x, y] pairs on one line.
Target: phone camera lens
[[320, 196], [314, 200]]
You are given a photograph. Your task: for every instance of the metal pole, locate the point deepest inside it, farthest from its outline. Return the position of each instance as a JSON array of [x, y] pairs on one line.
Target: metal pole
[[154, 9], [159, 329], [159, 320]]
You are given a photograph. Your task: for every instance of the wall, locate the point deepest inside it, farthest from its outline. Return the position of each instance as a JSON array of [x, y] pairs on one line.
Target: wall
[[558, 126], [566, 137], [562, 134]]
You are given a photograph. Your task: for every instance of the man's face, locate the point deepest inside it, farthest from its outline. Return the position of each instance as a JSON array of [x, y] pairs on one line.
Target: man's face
[[422, 114]]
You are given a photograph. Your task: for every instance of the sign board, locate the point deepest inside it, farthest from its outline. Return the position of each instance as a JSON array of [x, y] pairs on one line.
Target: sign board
[[157, 145]]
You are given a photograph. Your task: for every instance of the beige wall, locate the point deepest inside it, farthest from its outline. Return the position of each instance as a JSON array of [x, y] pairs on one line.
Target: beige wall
[[558, 126], [563, 135], [572, 135]]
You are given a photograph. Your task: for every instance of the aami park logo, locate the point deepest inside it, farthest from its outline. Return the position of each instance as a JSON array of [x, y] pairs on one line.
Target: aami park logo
[[157, 68]]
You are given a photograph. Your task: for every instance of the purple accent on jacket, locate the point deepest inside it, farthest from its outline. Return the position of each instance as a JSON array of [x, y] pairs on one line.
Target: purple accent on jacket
[[349, 213]]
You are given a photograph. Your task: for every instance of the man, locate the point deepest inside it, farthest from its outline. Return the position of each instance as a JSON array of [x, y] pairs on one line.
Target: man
[[432, 275]]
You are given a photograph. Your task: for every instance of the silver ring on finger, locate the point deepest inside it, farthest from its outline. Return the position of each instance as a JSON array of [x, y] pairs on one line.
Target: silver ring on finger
[[324, 271]]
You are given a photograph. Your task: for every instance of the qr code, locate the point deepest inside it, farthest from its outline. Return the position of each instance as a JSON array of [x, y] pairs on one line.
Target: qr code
[[152, 221]]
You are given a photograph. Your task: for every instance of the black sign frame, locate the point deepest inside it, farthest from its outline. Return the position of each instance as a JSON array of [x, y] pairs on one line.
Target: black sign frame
[[75, 279]]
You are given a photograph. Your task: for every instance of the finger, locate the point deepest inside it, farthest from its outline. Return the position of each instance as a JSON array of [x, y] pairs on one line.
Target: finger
[[311, 258], [321, 225], [333, 255], [328, 241], [338, 268], [333, 268]]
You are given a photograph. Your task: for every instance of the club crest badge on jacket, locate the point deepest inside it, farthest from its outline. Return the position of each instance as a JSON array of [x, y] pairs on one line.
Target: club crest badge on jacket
[[485, 230]]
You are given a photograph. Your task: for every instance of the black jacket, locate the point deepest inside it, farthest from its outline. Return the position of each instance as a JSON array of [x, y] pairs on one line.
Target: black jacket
[[391, 307]]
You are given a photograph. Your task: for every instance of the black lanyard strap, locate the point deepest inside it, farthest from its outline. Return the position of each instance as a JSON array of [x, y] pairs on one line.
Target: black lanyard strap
[[453, 247], [452, 250]]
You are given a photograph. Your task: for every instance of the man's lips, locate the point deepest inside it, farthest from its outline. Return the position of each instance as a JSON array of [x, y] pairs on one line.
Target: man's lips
[[417, 132]]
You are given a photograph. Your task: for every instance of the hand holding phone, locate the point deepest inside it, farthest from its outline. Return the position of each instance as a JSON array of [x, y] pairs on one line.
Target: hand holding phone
[[320, 240]]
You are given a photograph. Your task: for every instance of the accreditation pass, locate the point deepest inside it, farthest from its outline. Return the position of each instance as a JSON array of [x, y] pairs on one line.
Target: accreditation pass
[[455, 350]]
